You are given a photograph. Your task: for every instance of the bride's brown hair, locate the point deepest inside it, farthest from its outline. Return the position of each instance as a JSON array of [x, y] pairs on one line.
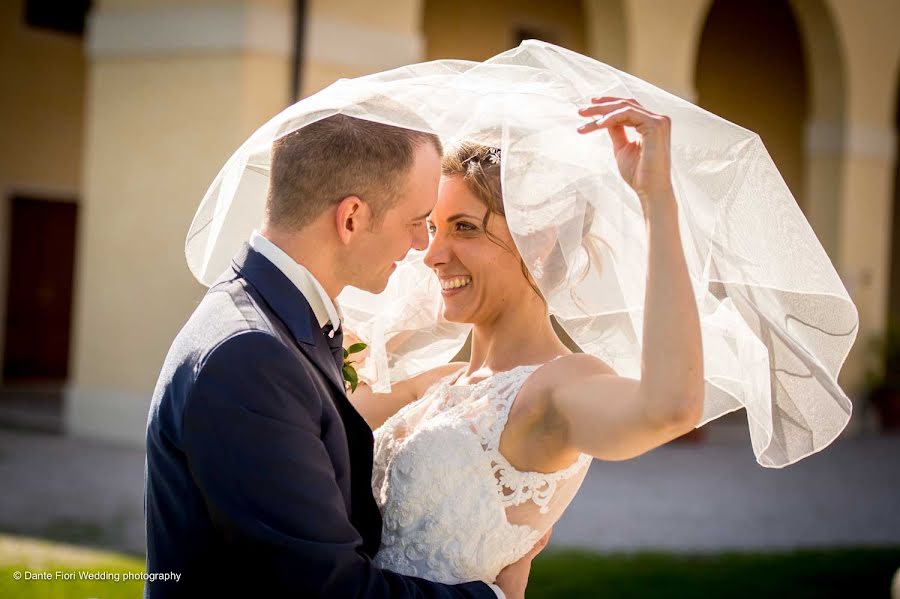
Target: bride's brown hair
[[479, 167]]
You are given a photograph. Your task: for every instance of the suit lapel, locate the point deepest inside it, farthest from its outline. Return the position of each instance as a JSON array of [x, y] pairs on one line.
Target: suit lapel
[[289, 304]]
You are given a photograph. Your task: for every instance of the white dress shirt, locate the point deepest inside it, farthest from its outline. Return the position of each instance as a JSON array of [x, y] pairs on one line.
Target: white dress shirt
[[325, 309]]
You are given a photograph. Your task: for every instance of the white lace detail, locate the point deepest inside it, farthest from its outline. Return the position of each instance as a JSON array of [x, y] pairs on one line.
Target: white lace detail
[[515, 485], [454, 509]]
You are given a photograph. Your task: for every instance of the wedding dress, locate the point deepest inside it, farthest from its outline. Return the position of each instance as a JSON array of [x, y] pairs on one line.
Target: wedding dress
[[454, 509]]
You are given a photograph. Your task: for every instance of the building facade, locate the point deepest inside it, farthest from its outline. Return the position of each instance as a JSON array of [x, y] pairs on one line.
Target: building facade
[[115, 131]]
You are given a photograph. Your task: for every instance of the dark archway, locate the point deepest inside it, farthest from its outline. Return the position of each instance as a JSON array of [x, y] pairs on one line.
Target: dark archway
[[492, 27], [758, 81], [893, 319]]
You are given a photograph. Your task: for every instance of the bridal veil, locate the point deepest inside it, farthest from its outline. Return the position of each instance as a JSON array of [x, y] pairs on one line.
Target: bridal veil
[[777, 323]]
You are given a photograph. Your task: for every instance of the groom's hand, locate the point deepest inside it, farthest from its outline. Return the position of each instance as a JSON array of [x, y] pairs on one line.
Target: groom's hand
[[513, 579]]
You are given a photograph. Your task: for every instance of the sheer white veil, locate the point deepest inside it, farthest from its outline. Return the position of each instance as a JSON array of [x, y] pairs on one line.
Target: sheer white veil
[[777, 322]]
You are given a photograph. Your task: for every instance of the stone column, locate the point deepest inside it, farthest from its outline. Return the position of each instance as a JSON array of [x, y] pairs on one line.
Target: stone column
[[606, 31], [662, 42], [174, 88], [826, 129], [872, 51], [354, 37]]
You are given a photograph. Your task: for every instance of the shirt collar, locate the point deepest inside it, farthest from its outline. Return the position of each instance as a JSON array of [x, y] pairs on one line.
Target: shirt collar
[[325, 309]]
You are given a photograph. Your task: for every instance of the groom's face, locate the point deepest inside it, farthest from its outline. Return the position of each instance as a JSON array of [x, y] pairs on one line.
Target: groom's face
[[402, 227]]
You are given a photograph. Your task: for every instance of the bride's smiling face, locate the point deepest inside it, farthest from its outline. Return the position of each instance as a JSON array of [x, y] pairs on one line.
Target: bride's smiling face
[[479, 276]]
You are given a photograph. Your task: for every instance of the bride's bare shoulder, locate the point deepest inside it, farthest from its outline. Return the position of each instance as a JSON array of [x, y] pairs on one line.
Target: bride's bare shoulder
[[573, 366], [566, 370]]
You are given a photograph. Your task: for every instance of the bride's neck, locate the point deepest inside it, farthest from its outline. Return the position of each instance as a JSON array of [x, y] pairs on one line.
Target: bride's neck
[[517, 336]]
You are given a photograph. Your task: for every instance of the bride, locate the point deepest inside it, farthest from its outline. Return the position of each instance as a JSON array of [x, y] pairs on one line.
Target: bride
[[475, 462]]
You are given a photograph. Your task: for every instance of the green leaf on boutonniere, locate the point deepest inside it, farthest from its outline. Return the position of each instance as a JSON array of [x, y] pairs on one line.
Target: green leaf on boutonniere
[[351, 379], [356, 348]]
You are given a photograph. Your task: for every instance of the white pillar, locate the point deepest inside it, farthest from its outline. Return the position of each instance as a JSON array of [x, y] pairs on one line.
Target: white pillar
[[826, 132], [872, 50], [353, 38], [865, 234], [606, 30], [663, 38], [174, 88]]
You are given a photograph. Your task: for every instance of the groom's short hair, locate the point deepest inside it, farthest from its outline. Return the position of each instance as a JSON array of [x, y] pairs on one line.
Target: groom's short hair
[[319, 165]]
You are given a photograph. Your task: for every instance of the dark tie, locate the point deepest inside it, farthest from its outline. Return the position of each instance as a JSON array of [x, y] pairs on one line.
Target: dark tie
[[335, 344]]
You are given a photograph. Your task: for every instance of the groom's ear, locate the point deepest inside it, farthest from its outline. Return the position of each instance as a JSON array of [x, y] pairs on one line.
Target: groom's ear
[[350, 217]]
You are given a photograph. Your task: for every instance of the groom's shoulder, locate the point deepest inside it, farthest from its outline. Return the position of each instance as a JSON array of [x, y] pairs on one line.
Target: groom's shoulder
[[230, 306], [226, 313]]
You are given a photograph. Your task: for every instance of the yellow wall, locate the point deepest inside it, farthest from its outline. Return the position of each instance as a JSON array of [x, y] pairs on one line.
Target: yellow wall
[[159, 127], [41, 116], [872, 54], [352, 38], [158, 136], [387, 15], [606, 30], [41, 108], [478, 31], [662, 40]]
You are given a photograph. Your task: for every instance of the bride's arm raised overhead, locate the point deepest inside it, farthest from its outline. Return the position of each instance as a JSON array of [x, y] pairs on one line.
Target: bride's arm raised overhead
[[612, 417]]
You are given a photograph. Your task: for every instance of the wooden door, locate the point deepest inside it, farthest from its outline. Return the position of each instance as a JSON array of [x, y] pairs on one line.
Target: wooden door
[[39, 290]]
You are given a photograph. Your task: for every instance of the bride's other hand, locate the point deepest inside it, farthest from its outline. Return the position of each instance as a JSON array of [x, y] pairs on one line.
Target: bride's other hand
[[350, 339], [376, 408], [513, 579], [644, 164]]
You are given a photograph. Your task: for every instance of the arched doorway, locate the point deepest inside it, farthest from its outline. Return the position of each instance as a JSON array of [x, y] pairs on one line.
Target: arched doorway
[[893, 317], [751, 70], [478, 34]]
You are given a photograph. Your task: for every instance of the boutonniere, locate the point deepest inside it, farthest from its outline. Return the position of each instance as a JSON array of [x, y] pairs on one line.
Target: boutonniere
[[351, 379]]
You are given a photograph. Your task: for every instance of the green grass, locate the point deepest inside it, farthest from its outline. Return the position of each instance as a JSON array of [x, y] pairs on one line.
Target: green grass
[[846, 573], [21, 554]]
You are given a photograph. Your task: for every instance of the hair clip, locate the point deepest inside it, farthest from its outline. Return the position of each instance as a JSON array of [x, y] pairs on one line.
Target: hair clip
[[492, 154]]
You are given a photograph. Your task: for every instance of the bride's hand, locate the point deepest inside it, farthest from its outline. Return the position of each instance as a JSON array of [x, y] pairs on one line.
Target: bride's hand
[[513, 579], [350, 339], [645, 164]]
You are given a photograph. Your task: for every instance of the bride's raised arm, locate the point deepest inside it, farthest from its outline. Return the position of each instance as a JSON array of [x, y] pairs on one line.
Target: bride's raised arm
[[613, 417]]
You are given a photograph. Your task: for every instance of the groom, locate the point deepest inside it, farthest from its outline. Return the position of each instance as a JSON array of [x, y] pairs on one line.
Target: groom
[[258, 472]]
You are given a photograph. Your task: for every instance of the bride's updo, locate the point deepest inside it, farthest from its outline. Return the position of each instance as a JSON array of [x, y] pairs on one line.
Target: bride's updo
[[479, 167]]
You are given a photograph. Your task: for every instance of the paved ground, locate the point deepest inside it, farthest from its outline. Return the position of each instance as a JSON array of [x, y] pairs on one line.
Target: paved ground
[[679, 497], [715, 496], [73, 490]]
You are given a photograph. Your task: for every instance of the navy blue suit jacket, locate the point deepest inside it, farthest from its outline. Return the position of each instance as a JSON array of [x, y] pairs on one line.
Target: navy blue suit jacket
[[258, 472]]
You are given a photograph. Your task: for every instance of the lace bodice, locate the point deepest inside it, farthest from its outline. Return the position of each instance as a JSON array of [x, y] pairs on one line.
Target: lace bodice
[[454, 509]]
